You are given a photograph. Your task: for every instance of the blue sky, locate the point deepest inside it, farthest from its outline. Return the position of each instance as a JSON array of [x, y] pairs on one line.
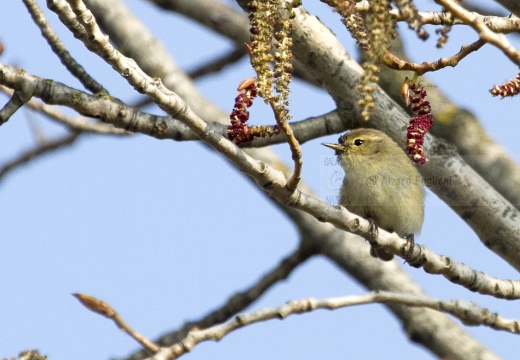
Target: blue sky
[[119, 219]]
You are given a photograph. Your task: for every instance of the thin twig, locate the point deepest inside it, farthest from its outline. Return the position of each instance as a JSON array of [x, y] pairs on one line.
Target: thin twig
[[467, 312], [501, 24], [37, 151], [77, 123], [218, 63], [59, 49], [394, 62], [239, 301], [485, 33], [103, 308], [294, 145]]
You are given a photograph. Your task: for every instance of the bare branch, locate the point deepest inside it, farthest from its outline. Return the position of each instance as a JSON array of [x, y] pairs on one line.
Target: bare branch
[[130, 120], [218, 63], [79, 124], [485, 33], [108, 109], [103, 308], [207, 68], [467, 312], [501, 24], [37, 151], [296, 150], [59, 49], [210, 67], [394, 62], [237, 302]]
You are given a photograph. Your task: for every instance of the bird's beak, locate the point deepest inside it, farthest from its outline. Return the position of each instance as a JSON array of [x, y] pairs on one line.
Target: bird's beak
[[337, 147]]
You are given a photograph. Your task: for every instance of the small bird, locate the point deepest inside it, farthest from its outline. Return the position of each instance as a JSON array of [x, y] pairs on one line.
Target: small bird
[[381, 184]]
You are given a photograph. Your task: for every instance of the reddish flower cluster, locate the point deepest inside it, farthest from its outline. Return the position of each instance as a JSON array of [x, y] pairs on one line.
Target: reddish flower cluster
[[419, 124], [510, 88], [239, 131]]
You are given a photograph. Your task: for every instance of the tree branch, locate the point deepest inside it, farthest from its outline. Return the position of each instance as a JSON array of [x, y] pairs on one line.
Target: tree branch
[[78, 124], [37, 151], [219, 63], [237, 302], [59, 49], [394, 62], [207, 68], [103, 308], [500, 24], [485, 33], [466, 311]]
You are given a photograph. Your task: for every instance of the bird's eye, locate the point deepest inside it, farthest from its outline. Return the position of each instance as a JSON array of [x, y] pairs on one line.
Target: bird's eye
[[340, 139], [358, 142]]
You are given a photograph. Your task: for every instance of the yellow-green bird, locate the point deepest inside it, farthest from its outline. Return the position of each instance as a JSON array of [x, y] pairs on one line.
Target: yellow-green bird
[[381, 183]]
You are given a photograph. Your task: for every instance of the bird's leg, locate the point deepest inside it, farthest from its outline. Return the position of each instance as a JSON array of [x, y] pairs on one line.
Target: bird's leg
[[410, 242], [376, 251], [372, 229]]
